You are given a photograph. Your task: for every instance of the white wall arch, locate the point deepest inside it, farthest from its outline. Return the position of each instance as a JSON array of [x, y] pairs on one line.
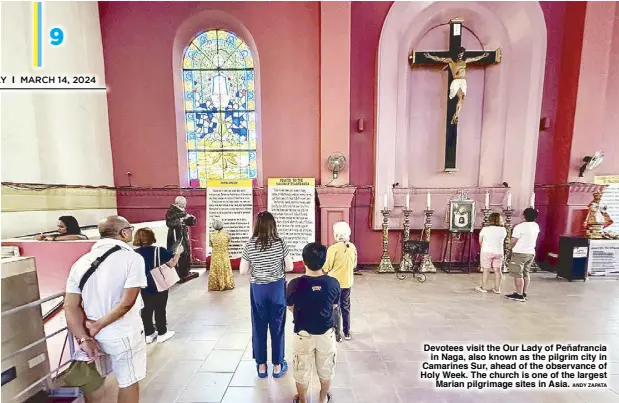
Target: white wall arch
[[510, 122]]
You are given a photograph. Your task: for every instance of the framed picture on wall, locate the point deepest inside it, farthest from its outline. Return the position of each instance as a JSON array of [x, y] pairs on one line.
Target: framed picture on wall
[[461, 215]]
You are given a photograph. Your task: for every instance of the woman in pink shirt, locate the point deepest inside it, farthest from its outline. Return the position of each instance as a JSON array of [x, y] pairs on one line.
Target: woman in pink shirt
[[491, 239]]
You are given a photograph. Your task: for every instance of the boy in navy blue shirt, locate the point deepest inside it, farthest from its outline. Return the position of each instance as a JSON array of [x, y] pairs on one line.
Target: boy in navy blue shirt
[[312, 298]]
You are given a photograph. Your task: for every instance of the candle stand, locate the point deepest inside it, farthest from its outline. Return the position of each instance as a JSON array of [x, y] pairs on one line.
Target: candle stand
[[486, 212], [508, 213], [426, 264], [406, 265], [385, 265]]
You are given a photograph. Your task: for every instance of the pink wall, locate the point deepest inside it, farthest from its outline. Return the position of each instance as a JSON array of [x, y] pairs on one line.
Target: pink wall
[[597, 109], [137, 45]]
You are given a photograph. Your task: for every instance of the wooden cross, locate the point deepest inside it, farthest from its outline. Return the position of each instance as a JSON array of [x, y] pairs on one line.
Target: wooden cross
[[456, 61]]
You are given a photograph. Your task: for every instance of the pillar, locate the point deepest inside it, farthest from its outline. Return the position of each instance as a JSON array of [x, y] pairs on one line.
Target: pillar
[[334, 207], [335, 202], [334, 86]]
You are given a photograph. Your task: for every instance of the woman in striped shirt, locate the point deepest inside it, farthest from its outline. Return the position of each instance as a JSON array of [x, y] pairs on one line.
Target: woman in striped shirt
[[266, 257]]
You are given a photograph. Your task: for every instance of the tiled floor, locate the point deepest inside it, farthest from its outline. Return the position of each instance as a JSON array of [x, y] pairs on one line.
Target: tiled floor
[[210, 358]]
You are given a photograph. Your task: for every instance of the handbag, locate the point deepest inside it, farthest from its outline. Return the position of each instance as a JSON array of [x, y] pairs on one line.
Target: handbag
[[163, 275], [82, 373]]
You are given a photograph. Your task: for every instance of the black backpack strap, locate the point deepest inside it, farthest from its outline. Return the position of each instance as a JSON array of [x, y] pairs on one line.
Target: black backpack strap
[[96, 264]]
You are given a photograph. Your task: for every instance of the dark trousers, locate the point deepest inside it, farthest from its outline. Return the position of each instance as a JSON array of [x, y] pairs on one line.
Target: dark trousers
[[154, 303], [343, 311], [268, 312]]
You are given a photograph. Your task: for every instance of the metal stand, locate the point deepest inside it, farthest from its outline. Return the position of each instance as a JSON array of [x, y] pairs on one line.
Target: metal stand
[[385, 261], [406, 265], [447, 265], [426, 265], [508, 213], [486, 212]]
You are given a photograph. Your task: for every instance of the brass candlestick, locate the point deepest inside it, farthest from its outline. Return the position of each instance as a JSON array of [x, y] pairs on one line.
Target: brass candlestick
[[426, 264], [385, 261], [508, 212], [486, 212], [406, 265]]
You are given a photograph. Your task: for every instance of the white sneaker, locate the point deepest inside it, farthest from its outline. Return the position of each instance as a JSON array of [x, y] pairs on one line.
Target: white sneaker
[[166, 336], [480, 289], [151, 338]]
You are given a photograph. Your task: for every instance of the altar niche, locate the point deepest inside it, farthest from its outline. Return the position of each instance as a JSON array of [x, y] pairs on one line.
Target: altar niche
[[455, 61]]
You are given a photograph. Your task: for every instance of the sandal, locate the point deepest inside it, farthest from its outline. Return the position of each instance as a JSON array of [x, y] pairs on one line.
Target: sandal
[[295, 399], [282, 371], [261, 375]]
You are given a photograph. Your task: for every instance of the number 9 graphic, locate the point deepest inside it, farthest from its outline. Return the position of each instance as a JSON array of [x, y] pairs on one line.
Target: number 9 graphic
[[57, 36]]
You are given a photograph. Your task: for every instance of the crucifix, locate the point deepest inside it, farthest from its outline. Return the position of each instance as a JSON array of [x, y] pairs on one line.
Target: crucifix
[[456, 59]]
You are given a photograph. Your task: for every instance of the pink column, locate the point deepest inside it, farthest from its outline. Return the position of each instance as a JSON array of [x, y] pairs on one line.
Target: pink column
[[334, 113], [334, 207], [334, 86]]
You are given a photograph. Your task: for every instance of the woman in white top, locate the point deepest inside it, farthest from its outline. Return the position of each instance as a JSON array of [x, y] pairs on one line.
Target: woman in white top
[[491, 240]]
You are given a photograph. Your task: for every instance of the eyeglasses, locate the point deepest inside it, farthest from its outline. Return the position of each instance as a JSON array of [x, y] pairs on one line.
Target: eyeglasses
[[129, 227]]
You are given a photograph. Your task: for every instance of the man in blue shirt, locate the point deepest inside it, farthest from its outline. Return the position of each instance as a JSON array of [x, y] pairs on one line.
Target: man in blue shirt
[[312, 298]]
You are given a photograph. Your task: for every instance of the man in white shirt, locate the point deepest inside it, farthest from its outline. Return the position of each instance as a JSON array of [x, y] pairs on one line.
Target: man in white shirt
[[523, 242], [104, 312]]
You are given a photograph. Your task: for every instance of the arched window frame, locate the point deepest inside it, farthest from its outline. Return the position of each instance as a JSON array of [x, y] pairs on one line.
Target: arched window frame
[[189, 29], [219, 102]]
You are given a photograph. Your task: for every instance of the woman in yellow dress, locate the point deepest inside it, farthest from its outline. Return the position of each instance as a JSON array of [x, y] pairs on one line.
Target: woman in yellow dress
[[220, 277]]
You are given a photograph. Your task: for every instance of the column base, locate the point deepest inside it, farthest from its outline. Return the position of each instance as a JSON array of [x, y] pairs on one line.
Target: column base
[[426, 265], [385, 265], [406, 266], [335, 206]]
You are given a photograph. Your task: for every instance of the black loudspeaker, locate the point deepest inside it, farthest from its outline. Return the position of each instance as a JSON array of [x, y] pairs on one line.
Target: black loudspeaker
[[573, 258]]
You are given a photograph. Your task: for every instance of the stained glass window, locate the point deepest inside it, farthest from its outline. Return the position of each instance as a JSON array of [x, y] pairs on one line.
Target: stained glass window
[[220, 108]]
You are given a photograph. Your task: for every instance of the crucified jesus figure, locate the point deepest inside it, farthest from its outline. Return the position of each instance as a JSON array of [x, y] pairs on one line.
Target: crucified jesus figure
[[458, 70]]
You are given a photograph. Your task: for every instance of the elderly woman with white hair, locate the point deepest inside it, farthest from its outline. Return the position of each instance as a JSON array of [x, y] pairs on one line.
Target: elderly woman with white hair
[[341, 263], [220, 276]]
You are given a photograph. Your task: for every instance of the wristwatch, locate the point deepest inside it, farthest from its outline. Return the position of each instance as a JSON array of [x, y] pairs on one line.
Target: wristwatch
[[83, 339]]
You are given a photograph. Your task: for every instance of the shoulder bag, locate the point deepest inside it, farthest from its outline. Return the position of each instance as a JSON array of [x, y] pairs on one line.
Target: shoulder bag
[[163, 275]]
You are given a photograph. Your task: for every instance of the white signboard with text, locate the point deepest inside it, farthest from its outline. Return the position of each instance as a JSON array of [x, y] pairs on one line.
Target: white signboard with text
[[292, 201], [233, 203], [603, 257], [610, 199]]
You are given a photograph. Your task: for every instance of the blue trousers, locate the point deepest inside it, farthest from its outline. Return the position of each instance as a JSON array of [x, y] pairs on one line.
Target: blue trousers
[[268, 312]]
